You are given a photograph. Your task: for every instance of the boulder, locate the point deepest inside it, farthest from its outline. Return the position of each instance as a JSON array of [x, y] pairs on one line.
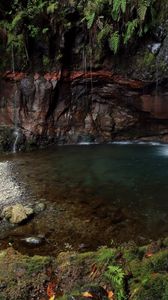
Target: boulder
[[16, 213]]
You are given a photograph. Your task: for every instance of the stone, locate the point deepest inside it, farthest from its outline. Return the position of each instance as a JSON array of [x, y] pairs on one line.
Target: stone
[[16, 213], [39, 207], [154, 47], [7, 212], [82, 247], [34, 240]]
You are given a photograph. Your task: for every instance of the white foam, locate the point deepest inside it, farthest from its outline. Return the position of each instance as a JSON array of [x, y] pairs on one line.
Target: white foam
[[122, 142], [154, 143], [87, 143], [136, 143], [17, 134]]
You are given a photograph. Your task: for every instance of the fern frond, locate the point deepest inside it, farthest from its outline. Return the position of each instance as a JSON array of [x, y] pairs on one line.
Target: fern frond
[[123, 6], [130, 29], [52, 7], [116, 277], [90, 20], [18, 17], [105, 254], [142, 9], [114, 41], [103, 33]]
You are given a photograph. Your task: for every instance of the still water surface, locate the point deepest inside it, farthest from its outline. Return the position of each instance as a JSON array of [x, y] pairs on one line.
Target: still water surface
[[93, 194]]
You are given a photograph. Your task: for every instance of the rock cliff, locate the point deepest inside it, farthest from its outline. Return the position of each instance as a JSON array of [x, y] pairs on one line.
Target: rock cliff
[[75, 107]]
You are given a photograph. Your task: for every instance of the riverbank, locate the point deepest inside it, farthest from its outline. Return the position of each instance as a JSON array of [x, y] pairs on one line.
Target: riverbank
[[119, 272]]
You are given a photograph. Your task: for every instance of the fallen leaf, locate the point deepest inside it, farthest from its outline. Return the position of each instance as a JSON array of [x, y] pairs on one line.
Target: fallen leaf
[[87, 295], [50, 290], [52, 298], [110, 295], [149, 254]]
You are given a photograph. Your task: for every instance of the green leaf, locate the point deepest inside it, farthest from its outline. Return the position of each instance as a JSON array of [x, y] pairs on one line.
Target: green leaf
[[45, 30], [52, 7], [130, 29], [123, 5], [114, 42], [90, 20]]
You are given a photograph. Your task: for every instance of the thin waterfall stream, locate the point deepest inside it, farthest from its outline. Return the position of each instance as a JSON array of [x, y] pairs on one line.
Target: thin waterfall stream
[[16, 132]]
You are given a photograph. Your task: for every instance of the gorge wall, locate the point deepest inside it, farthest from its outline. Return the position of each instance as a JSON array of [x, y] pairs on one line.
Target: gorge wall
[[79, 107]]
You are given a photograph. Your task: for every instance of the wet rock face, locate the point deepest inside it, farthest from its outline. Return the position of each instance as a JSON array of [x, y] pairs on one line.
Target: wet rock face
[[80, 107], [27, 87], [35, 97]]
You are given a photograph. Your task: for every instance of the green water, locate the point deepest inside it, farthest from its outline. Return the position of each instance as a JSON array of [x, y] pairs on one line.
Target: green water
[[93, 194]]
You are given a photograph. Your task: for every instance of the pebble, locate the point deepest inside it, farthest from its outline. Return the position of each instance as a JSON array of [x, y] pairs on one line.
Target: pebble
[[39, 207]]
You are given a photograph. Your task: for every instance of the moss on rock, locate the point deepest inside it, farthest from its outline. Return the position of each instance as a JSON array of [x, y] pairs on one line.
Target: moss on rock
[[127, 271]]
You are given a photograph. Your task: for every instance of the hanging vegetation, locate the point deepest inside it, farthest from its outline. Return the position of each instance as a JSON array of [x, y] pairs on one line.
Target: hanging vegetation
[[113, 24]]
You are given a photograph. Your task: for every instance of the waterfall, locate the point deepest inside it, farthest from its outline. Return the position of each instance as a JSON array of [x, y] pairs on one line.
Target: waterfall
[[91, 60], [87, 63], [84, 62], [13, 61], [157, 76], [16, 132]]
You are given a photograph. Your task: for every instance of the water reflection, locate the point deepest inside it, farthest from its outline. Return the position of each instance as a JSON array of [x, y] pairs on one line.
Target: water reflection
[[163, 151]]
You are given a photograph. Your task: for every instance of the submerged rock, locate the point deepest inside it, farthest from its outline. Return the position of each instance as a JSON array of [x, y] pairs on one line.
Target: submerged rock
[[39, 207], [34, 240], [16, 213]]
